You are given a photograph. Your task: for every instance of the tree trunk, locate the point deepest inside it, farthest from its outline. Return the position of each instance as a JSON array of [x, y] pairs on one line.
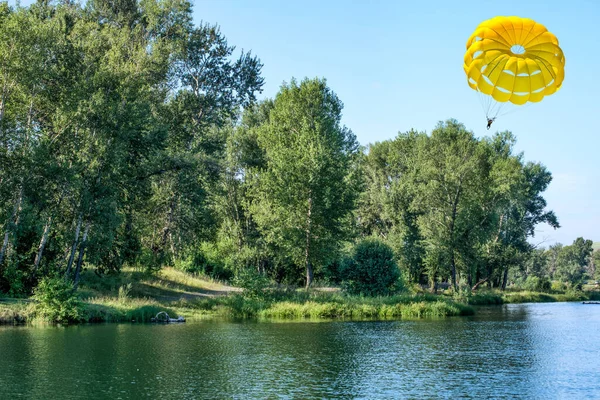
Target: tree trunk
[[452, 226], [478, 283], [505, 278], [74, 246], [309, 269], [470, 280], [4, 245], [81, 254], [166, 232], [432, 284], [453, 266], [40, 252], [2, 105], [12, 224]]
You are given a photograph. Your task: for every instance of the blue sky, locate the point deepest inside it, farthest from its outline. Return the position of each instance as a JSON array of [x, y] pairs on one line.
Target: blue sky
[[397, 65]]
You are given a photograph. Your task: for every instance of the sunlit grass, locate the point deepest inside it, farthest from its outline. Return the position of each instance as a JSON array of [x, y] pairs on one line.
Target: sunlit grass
[[14, 312], [333, 306], [353, 310], [168, 284], [174, 277], [536, 297]]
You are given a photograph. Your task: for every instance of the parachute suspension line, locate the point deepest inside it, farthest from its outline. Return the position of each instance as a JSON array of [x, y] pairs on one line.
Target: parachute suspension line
[[491, 108]]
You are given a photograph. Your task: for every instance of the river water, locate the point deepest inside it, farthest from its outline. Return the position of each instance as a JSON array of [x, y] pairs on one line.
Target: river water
[[537, 351]]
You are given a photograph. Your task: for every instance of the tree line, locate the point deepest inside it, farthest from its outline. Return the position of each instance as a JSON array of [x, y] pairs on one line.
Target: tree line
[[129, 136]]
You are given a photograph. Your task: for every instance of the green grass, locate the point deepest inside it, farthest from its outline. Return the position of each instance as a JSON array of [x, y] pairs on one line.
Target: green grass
[[15, 312], [535, 297], [492, 297], [109, 309], [317, 305], [313, 310], [166, 285]]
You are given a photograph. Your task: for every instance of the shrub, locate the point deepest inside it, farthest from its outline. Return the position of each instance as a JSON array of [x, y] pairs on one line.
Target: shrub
[[254, 285], [205, 260], [558, 286], [372, 270], [535, 284], [124, 292], [56, 301], [16, 280]]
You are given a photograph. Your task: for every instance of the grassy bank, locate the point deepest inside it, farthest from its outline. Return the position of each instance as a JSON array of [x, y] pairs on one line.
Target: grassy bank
[[523, 296], [315, 305], [236, 306], [136, 296]]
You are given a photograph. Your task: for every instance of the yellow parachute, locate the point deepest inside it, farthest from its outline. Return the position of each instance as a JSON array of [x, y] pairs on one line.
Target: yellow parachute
[[513, 59]]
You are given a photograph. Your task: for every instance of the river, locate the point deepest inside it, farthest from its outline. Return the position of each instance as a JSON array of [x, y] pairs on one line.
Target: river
[[537, 351]]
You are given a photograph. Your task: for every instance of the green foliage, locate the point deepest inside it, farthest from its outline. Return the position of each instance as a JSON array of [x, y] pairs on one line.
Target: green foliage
[[124, 292], [207, 260], [315, 305], [16, 281], [113, 159], [56, 301], [557, 286], [535, 284], [254, 284], [485, 298], [535, 297], [318, 310], [130, 136], [372, 270], [303, 194], [571, 262]]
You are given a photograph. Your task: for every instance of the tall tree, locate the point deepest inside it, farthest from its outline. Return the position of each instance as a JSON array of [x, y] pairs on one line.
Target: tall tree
[[449, 188], [303, 196], [385, 204], [211, 89]]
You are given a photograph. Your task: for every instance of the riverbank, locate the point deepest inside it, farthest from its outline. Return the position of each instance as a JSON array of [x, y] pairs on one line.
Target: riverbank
[[236, 306], [136, 296]]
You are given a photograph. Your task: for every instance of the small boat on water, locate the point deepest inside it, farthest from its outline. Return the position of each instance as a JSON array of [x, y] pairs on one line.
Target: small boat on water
[[163, 317], [590, 302]]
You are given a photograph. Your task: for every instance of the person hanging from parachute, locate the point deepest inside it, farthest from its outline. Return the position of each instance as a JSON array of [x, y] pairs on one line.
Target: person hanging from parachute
[[512, 60]]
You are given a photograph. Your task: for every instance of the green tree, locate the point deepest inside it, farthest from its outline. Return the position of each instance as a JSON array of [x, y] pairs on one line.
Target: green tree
[[515, 206], [211, 88], [573, 260], [304, 195], [385, 205], [449, 188], [372, 270]]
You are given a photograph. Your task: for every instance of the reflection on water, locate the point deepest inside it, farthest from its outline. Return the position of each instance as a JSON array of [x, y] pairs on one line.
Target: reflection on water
[[515, 351]]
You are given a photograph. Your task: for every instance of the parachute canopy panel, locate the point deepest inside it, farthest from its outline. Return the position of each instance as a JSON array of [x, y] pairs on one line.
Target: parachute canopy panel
[[514, 59]]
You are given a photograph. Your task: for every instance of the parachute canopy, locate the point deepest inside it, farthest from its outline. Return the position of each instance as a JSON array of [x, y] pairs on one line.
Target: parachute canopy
[[514, 59]]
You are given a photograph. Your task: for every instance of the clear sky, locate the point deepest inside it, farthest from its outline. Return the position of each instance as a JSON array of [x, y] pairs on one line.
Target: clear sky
[[397, 65]]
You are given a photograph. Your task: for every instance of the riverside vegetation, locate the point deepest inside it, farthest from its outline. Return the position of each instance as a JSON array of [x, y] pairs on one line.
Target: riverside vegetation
[[134, 152], [137, 296]]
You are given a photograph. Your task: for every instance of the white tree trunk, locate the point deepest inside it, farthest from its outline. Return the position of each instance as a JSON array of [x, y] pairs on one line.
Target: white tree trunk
[[74, 246], [81, 254], [40, 252]]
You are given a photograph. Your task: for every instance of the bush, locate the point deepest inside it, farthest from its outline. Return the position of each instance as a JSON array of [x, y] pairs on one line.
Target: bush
[[558, 286], [15, 280], [254, 285], [205, 260], [372, 270], [56, 301], [535, 284]]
